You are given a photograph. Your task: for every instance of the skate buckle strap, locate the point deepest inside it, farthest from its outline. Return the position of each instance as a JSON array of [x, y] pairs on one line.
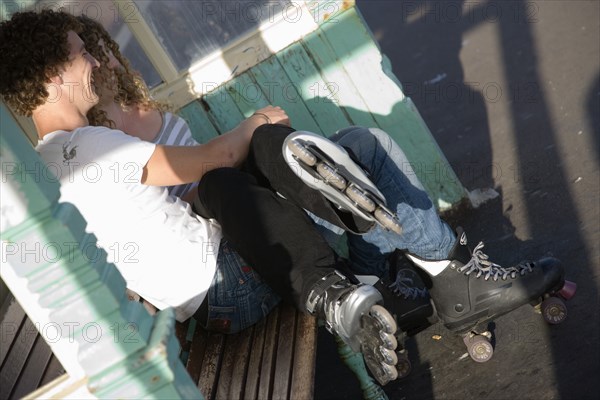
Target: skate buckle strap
[[480, 264], [319, 289]]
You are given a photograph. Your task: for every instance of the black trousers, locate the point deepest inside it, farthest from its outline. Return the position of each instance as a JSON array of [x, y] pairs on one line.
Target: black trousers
[[272, 233]]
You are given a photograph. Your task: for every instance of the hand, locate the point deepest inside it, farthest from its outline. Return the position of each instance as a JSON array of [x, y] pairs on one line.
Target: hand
[[272, 115]]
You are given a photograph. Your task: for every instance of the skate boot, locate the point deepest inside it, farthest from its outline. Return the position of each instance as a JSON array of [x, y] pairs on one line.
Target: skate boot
[[354, 313], [407, 299], [327, 167], [468, 291]]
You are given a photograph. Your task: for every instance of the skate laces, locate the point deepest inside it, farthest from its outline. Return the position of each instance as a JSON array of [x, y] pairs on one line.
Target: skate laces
[[480, 264], [404, 286]]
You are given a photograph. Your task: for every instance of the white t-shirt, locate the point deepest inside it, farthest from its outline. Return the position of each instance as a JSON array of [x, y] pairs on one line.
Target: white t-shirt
[[165, 252]]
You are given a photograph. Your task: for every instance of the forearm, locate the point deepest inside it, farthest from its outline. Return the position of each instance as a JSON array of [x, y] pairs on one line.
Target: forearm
[[175, 165], [237, 141]]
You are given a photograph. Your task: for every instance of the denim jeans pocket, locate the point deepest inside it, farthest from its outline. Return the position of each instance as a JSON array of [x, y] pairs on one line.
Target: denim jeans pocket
[[222, 319], [238, 297]]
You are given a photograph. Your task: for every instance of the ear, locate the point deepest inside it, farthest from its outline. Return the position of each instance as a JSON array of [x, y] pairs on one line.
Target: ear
[[56, 79]]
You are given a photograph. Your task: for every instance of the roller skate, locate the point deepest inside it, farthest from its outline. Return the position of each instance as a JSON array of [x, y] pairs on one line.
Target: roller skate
[[353, 312], [468, 291], [407, 299], [328, 168]]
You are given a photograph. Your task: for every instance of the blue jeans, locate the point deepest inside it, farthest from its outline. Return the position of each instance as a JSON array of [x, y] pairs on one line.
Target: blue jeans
[[238, 297], [423, 232]]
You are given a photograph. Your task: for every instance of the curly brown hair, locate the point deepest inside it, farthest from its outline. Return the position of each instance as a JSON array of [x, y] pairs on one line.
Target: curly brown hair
[[34, 48], [129, 87]]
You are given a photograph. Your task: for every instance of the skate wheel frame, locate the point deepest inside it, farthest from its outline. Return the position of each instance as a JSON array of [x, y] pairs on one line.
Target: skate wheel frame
[[378, 344], [344, 184]]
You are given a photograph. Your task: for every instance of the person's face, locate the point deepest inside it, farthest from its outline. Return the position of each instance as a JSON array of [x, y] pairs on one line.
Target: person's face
[[77, 77], [106, 84]]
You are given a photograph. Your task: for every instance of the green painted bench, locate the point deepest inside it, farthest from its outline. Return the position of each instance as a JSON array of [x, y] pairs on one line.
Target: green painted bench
[[331, 77]]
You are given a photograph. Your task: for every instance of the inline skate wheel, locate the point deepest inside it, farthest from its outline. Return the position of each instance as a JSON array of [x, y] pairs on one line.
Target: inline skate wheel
[[404, 365], [302, 153], [554, 310], [358, 196], [383, 317], [479, 347], [376, 335], [389, 341], [387, 220], [329, 174]]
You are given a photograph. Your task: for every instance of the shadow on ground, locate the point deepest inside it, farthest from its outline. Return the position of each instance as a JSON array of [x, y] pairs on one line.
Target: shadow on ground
[[527, 126]]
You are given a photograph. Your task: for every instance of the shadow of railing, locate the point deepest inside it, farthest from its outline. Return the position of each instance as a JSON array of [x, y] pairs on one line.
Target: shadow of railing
[[424, 41]]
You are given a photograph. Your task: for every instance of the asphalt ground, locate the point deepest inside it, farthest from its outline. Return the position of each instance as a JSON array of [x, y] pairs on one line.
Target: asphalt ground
[[510, 90]]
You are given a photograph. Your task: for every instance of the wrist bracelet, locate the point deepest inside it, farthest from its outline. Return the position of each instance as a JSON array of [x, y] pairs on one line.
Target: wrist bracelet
[[263, 115]]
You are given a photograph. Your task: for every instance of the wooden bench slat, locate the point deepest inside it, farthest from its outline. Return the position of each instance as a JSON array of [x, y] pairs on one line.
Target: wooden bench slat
[[281, 91], [211, 365], [34, 368], [12, 320], [16, 358], [54, 369], [303, 371], [198, 121], [318, 94], [197, 351], [285, 352], [247, 94], [332, 70], [254, 363], [269, 354], [233, 369], [223, 110]]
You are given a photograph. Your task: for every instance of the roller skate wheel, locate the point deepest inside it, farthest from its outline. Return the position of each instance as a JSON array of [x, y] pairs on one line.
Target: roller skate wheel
[[568, 290], [387, 322], [404, 366], [388, 221], [361, 198], [389, 374], [389, 357], [388, 340], [380, 369], [479, 347], [302, 153], [554, 310], [329, 174]]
